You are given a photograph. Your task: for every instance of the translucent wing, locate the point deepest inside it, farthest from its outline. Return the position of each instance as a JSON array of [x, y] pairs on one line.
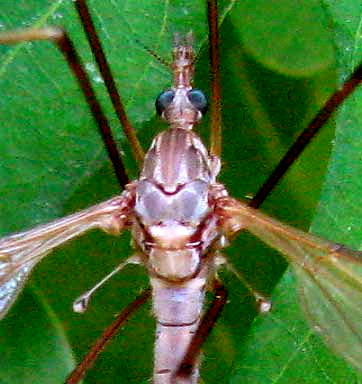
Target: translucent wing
[[329, 276], [20, 252]]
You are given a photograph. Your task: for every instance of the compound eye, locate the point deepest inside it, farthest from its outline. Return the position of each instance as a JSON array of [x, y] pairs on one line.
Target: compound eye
[[198, 99], [164, 99]]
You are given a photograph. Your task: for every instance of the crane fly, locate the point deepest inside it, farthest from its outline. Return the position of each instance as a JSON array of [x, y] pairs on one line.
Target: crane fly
[[234, 214]]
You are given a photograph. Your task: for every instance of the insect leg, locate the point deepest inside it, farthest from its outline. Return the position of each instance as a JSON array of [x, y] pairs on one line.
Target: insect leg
[[105, 70], [63, 42], [307, 135], [215, 78], [90, 358]]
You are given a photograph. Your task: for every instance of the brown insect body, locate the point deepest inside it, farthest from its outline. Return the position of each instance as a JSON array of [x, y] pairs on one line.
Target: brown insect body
[[175, 224]]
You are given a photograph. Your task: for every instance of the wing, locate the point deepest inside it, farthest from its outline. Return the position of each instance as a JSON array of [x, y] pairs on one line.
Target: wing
[[20, 252], [329, 275]]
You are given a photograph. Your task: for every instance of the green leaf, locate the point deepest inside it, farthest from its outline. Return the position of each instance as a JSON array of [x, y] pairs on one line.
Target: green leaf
[[33, 344], [274, 78], [282, 348]]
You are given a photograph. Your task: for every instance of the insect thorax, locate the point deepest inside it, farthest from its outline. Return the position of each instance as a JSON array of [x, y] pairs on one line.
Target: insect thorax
[[175, 223]]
